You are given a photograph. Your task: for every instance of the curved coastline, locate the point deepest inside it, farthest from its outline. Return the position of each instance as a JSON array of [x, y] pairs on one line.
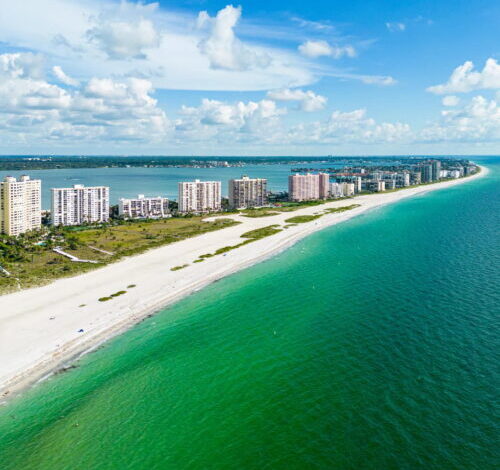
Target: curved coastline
[[30, 357]]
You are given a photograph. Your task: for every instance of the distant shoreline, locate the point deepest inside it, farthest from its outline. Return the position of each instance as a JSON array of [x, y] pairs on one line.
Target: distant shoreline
[[40, 327]]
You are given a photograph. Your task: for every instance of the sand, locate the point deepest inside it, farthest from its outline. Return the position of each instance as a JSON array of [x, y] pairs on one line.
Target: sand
[[40, 328]]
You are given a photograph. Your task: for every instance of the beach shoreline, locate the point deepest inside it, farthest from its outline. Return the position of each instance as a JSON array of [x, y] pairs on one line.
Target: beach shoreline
[[61, 309]]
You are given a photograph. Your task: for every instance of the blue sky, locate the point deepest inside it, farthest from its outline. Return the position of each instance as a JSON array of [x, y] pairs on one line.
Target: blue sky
[[256, 78]]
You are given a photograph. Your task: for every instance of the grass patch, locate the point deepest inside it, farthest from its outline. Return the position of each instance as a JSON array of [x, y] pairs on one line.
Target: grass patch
[[263, 232], [104, 299], [333, 210], [131, 286], [178, 268], [301, 219], [200, 260], [120, 292]]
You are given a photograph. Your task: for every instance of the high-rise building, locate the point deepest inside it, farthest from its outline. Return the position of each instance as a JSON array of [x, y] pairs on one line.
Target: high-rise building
[[79, 204], [20, 205], [426, 172], [143, 207], [436, 169], [199, 196], [308, 187], [247, 192]]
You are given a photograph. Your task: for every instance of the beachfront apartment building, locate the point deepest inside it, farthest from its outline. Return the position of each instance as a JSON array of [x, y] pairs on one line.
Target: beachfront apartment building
[[247, 192], [20, 205], [143, 207], [436, 170], [374, 185], [199, 196], [79, 205], [308, 187], [342, 189]]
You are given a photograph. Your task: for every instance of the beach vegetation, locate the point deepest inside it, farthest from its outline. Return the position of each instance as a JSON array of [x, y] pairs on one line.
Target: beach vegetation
[[178, 268], [31, 262], [301, 219]]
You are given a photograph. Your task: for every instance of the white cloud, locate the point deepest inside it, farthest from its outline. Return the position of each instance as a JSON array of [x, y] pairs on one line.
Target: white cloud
[[381, 80], [315, 49], [350, 127], [223, 49], [309, 101], [464, 79], [316, 25], [100, 110], [477, 121], [216, 121], [450, 100], [124, 40], [63, 78], [21, 65], [395, 26]]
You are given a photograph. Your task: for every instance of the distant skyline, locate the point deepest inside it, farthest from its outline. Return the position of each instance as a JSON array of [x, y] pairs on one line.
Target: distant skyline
[[201, 78]]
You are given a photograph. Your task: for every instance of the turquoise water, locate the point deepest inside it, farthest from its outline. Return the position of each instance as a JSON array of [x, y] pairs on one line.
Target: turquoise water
[[370, 345]]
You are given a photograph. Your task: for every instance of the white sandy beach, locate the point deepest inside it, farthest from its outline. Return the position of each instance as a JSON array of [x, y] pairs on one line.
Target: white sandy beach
[[32, 344]]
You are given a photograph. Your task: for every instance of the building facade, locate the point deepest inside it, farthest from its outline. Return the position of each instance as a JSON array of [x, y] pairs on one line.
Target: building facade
[[79, 204], [199, 196], [342, 189], [143, 207], [247, 192], [20, 205], [308, 187]]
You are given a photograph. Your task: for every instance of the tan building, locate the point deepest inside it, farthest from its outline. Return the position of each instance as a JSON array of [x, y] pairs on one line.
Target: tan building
[[247, 192], [20, 205], [79, 204], [143, 207], [199, 196], [308, 187]]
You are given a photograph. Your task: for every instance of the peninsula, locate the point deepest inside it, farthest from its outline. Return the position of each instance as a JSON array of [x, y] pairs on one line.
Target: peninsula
[[44, 328]]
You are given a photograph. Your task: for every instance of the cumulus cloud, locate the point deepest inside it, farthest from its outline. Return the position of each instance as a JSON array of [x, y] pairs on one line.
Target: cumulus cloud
[[308, 100], [230, 122], [464, 79], [21, 65], [223, 49], [395, 26], [315, 49], [477, 121], [350, 127], [101, 109], [450, 100], [125, 40], [63, 78]]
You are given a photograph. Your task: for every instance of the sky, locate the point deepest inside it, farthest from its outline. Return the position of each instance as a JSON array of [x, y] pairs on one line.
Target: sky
[[203, 77]]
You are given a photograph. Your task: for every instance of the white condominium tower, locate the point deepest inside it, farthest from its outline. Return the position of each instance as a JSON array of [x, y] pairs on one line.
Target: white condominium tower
[[20, 205], [308, 187], [143, 207], [247, 192], [80, 204], [199, 196]]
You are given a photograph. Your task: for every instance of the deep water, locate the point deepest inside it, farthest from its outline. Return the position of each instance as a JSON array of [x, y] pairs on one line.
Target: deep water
[[373, 344]]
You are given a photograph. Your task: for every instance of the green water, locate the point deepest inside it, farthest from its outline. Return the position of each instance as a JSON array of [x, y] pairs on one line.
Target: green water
[[370, 345]]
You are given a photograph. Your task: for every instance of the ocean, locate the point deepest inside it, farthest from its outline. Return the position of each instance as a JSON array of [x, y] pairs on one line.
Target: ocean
[[373, 344]]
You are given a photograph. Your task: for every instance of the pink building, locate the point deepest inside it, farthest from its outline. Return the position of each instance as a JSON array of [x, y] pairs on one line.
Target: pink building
[[308, 187]]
